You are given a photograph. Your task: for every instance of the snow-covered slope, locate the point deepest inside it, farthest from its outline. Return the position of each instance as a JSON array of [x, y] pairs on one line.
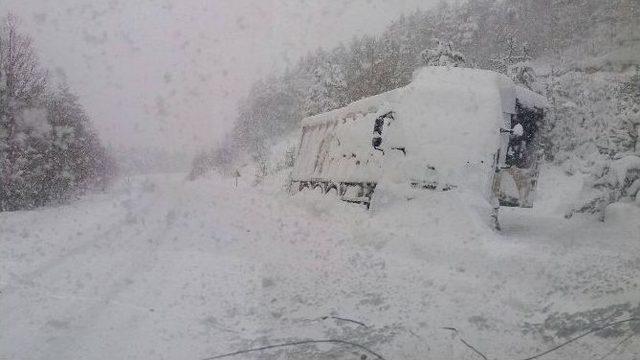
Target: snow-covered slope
[[161, 268]]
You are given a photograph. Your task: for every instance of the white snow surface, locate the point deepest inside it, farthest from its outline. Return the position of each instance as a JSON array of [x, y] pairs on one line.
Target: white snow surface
[[161, 268]]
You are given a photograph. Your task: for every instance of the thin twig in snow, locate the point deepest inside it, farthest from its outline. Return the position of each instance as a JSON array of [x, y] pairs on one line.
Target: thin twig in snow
[[595, 329], [619, 344], [466, 343], [297, 343], [474, 349], [343, 319]]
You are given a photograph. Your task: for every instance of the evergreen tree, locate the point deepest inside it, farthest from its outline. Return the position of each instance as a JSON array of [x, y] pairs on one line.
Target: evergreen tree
[[523, 74], [442, 54], [47, 150], [22, 141], [626, 135]]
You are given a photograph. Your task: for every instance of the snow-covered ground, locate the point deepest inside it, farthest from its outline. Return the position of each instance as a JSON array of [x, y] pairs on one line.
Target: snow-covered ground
[[162, 268]]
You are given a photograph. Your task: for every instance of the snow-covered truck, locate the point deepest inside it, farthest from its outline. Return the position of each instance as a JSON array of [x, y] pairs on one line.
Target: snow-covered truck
[[450, 128]]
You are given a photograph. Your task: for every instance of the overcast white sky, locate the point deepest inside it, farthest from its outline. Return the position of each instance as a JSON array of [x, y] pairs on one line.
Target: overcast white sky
[[168, 73]]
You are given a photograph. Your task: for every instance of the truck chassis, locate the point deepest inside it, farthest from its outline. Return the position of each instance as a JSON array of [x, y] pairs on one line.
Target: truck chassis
[[349, 191]]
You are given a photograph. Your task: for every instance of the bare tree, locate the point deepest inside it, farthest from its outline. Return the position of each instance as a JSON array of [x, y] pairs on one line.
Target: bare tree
[[25, 79]]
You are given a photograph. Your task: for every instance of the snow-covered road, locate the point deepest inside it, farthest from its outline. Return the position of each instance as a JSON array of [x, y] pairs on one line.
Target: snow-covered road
[[161, 268]]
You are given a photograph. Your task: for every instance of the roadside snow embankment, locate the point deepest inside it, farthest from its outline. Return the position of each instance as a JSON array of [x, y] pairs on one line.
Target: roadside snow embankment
[[163, 268]]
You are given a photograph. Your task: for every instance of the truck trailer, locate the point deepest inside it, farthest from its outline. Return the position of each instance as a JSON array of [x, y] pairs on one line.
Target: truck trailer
[[449, 129]]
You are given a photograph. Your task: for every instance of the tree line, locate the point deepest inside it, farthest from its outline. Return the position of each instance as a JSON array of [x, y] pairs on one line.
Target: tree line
[[48, 150], [492, 34]]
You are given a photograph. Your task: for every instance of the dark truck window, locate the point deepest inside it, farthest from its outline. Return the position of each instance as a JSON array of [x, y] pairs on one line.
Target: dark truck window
[[378, 127], [521, 152]]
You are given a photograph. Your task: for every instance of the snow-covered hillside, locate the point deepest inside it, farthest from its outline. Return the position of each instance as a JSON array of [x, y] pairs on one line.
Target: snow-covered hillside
[[161, 268]]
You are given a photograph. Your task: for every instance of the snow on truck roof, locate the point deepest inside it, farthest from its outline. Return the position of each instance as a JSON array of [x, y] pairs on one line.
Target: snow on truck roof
[[530, 99], [431, 79]]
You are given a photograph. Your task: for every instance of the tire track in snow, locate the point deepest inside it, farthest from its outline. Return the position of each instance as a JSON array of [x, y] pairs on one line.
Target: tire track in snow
[[54, 262], [138, 257], [136, 263], [81, 248]]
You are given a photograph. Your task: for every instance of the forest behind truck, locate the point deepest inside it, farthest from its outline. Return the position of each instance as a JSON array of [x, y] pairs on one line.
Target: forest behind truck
[[584, 56]]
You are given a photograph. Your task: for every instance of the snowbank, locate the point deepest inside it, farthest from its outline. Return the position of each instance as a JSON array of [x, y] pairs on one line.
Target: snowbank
[[166, 268]]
